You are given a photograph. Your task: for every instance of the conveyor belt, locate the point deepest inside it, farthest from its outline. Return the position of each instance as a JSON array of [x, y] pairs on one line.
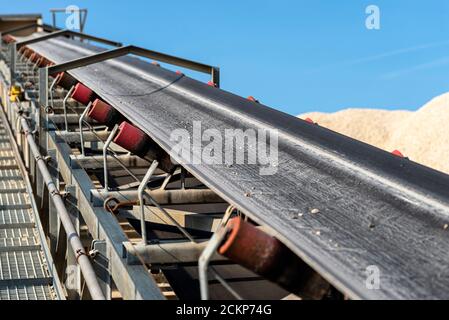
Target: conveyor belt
[[24, 269], [373, 208]]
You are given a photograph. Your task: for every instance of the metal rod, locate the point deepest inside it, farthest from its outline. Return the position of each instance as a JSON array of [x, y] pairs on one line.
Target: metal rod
[[226, 285], [105, 156], [183, 231], [53, 84], [209, 251], [141, 190], [64, 106], [75, 242], [81, 121], [203, 262]]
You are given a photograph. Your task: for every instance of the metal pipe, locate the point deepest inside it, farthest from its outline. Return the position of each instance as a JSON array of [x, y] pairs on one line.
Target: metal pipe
[[75, 242], [105, 156]]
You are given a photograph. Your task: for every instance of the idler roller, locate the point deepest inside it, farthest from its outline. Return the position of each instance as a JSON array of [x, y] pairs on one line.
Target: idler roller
[[266, 256], [65, 80], [35, 57], [27, 52], [8, 38], [138, 142], [83, 94], [105, 114]]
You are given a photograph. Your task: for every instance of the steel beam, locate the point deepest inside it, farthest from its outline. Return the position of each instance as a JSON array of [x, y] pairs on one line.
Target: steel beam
[[88, 136], [96, 162], [162, 197], [175, 252]]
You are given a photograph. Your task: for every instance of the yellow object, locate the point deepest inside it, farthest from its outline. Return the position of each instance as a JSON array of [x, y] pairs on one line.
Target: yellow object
[[14, 93]]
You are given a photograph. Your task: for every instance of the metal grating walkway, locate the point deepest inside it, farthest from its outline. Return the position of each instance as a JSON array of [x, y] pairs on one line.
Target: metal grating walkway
[[24, 274]]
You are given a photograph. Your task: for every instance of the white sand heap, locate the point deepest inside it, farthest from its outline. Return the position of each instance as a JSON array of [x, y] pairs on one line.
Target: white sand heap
[[422, 136]]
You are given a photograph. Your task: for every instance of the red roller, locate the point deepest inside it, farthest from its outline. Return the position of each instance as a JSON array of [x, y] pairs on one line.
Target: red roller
[[138, 142], [65, 80], [211, 84], [28, 52], [83, 94], [267, 256], [310, 121], [251, 98], [104, 113], [44, 62], [35, 57], [8, 38], [398, 153], [132, 139]]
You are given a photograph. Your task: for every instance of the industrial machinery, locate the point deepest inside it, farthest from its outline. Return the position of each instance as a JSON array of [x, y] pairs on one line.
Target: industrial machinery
[[97, 205]]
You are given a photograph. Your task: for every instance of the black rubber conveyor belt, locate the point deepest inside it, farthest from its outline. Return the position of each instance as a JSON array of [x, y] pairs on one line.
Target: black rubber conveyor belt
[[373, 209]]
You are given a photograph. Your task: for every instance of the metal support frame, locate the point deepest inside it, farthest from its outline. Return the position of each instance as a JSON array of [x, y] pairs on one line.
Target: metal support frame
[[29, 26], [15, 47], [28, 188], [82, 17], [75, 242], [143, 195], [66, 32], [123, 51], [133, 281]]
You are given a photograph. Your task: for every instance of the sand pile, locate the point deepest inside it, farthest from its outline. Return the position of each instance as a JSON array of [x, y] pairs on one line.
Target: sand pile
[[422, 136]]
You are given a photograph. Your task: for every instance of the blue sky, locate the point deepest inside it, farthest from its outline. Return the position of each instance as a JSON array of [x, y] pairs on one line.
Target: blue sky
[[296, 56]]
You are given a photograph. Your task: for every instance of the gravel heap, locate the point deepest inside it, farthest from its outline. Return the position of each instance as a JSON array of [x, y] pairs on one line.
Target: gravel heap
[[422, 136]]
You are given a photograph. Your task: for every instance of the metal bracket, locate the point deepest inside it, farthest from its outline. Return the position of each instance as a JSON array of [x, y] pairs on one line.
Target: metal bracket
[[81, 121], [119, 52], [209, 251], [141, 190], [29, 26], [66, 32], [105, 156]]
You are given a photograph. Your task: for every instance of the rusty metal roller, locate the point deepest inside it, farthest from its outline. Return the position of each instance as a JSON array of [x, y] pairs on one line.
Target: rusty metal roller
[[266, 256]]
